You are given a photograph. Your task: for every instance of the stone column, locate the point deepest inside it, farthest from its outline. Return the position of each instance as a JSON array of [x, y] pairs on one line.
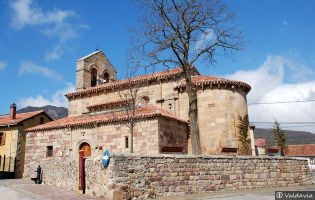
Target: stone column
[[252, 139]]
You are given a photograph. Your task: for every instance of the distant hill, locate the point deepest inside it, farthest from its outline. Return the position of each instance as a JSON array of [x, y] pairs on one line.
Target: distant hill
[[293, 137], [53, 111]]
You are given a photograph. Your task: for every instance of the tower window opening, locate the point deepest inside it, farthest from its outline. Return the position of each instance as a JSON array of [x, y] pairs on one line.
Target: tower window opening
[[106, 77], [93, 77]]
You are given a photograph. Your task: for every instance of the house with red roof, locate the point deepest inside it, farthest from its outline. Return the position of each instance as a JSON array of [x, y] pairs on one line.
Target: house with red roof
[[98, 119], [13, 136], [260, 146], [303, 151]]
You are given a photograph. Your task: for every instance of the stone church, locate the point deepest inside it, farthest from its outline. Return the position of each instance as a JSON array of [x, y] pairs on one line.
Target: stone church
[[97, 119]]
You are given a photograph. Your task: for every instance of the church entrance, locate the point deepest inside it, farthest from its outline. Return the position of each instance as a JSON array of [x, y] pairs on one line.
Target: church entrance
[[86, 148], [84, 151]]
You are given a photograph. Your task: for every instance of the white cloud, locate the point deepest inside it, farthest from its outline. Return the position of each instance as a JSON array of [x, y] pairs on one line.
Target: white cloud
[[56, 99], [3, 65], [26, 14], [55, 53], [55, 23], [285, 26], [205, 39], [269, 84], [63, 31], [31, 68], [289, 112], [263, 79]]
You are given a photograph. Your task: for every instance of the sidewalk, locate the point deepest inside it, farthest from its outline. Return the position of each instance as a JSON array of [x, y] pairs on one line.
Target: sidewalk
[[42, 191]]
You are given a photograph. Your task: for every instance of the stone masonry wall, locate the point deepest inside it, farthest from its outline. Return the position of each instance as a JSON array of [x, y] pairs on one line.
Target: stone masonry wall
[[147, 177], [142, 177], [66, 142], [173, 134], [62, 173], [218, 111], [155, 92]]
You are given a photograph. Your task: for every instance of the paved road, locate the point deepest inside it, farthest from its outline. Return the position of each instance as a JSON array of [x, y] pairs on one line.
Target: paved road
[[257, 194], [16, 189], [10, 194], [26, 190], [235, 196], [250, 196], [264, 195]]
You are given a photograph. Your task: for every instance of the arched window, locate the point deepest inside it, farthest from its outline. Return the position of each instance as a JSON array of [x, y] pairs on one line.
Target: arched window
[[93, 77], [145, 100], [106, 77], [86, 148]]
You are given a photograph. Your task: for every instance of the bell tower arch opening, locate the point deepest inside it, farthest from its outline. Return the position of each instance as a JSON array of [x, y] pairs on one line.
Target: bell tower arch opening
[[106, 77], [93, 77]]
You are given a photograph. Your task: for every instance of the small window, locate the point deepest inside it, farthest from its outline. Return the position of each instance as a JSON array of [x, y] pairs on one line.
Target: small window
[[170, 106], [2, 139], [172, 149], [145, 100], [229, 150], [126, 142], [41, 120], [49, 151]]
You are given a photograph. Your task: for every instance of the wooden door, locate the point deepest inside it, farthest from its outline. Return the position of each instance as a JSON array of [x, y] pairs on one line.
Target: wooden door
[[86, 148]]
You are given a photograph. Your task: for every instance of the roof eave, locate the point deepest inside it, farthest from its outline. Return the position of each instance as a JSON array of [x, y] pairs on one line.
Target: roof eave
[[146, 116], [89, 55], [6, 125]]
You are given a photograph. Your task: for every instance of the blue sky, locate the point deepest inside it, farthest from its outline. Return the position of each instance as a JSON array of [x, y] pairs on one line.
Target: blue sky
[[41, 40]]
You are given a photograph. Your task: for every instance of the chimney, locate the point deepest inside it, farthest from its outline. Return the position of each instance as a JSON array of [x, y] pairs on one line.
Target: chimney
[[13, 111]]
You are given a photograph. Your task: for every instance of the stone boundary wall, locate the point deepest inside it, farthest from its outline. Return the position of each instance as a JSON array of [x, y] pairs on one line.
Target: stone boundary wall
[[62, 173], [142, 177]]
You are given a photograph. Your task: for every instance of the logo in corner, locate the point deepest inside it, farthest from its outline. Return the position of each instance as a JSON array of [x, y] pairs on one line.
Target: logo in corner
[[279, 195]]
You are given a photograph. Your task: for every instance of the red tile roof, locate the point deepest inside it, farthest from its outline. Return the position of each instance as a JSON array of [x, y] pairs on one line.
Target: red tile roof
[[6, 119], [109, 103], [211, 80], [172, 73], [147, 111], [301, 150]]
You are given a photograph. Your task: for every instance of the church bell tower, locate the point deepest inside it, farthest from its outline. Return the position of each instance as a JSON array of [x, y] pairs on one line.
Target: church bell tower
[[94, 69]]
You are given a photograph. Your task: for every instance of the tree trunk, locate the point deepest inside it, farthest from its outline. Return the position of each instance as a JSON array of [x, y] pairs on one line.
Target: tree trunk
[[193, 117], [282, 151], [131, 138]]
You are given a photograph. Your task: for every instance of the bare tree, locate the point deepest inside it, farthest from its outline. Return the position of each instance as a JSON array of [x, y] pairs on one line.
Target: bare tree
[[280, 137], [132, 99], [129, 97], [243, 135], [181, 32]]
